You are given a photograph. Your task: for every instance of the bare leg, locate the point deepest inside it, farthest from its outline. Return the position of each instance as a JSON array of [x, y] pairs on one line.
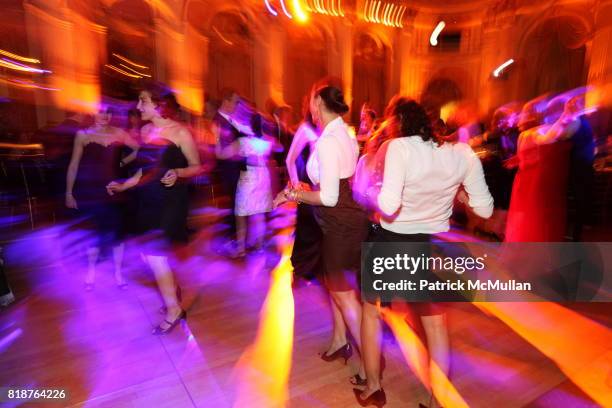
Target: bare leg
[[241, 231], [339, 332], [118, 260], [258, 229], [439, 352], [167, 287], [371, 337], [92, 258], [350, 307]]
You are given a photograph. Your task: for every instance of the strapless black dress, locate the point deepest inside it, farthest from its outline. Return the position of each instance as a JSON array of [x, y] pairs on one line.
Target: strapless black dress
[[162, 210], [99, 166]]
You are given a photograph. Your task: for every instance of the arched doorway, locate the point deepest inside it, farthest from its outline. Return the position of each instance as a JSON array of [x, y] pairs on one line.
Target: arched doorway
[[553, 56], [369, 75], [230, 55], [305, 63], [439, 92], [130, 48]]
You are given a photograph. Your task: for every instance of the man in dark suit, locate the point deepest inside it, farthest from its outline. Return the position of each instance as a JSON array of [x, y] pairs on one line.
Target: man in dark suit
[[229, 169]]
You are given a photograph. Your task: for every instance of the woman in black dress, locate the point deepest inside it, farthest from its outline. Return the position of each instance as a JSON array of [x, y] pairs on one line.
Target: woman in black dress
[[169, 157], [96, 160]]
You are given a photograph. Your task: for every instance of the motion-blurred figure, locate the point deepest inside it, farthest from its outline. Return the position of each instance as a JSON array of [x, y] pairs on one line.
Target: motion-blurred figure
[[306, 254], [96, 160], [58, 142], [229, 130], [537, 210], [168, 158], [581, 172], [6, 294], [420, 180], [367, 124], [253, 193], [134, 124]]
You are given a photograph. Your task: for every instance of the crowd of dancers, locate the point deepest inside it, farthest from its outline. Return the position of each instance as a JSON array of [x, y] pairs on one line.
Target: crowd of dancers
[[398, 178]]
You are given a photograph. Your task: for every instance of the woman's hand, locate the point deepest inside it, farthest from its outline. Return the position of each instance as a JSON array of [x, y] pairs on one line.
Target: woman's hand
[[169, 178], [280, 199], [115, 187], [300, 185], [511, 163], [71, 201]]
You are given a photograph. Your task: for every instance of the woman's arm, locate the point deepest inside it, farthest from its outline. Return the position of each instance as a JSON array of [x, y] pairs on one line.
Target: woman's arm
[[73, 168], [224, 152], [190, 150], [389, 199], [117, 186], [129, 141], [297, 146], [478, 196], [562, 129], [329, 179]]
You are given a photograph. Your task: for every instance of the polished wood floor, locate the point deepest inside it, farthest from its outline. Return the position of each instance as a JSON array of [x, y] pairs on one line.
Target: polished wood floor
[[98, 347]]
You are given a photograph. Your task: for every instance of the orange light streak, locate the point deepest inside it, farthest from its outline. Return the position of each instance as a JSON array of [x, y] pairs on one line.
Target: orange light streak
[[263, 369], [134, 71], [415, 352], [119, 70], [19, 57], [124, 59], [580, 347], [225, 40], [390, 14]]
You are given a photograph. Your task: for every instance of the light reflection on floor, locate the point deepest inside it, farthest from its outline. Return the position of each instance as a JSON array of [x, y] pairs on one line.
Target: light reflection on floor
[[98, 345]]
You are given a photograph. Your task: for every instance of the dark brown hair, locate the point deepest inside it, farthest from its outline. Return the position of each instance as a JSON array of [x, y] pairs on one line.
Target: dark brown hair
[[413, 120], [333, 98], [164, 98]]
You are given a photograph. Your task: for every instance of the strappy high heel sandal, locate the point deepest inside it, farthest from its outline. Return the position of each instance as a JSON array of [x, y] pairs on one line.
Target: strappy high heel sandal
[[179, 296], [160, 331]]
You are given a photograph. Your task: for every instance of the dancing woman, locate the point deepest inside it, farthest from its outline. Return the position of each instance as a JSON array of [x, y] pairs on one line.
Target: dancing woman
[[169, 157], [254, 191], [305, 257], [96, 160], [420, 181], [343, 222]]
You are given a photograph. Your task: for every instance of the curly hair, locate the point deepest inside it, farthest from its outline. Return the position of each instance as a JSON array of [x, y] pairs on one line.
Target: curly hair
[[413, 120]]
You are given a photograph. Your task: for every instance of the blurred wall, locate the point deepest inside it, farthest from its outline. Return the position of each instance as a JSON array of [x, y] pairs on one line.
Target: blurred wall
[[202, 46]]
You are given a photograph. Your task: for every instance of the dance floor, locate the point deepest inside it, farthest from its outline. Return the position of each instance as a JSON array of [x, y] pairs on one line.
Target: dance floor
[[247, 340]]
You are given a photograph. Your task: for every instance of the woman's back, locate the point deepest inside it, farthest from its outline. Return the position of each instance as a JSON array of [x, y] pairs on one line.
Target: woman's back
[[421, 180]]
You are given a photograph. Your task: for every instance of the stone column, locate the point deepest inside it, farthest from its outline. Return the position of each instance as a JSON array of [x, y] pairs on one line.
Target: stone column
[[162, 50], [268, 66], [69, 46], [600, 69], [340, 58], [184, 59]]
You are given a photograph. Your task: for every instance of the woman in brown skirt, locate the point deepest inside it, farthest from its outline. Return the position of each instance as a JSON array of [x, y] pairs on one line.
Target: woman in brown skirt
[[420, 181], [344, 224]]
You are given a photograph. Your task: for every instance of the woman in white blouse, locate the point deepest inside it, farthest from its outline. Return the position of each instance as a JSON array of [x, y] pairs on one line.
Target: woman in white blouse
[[421, 179], [343, 222]]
